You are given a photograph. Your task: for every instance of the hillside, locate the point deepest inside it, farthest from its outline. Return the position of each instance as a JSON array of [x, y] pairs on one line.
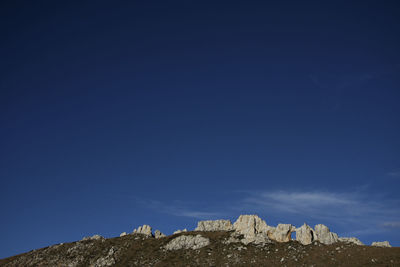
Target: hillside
[[210, 247]]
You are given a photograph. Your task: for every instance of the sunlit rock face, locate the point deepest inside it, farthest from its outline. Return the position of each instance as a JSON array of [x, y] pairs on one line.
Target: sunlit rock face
[[253, 228], [352, 240], [144, 230], [324, 235], [180, 231], [187, 242], [158, 234], [250, 225], [216, 225], [282, 233], [305, 234], [384, 244]]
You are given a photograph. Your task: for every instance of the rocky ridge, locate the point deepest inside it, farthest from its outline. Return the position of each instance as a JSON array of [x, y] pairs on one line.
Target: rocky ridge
[[249, 240]]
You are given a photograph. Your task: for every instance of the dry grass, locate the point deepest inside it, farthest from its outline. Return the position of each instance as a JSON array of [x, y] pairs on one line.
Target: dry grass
[[136, 250]]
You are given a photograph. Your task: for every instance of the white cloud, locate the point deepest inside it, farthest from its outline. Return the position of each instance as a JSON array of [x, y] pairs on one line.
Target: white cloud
[[357, 212], [330, 206]]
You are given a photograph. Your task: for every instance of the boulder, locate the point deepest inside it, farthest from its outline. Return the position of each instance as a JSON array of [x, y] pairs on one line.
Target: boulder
[[158, 234], [180, 231], [324, 235], [258, 239], [216, 225], [384, 244], [305, 234], [282, 233], [352, 240], [187, 242], [123, 234], [144, 230]]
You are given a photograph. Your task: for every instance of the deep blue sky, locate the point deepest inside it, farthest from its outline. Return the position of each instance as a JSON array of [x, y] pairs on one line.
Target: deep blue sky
[[118, 113]]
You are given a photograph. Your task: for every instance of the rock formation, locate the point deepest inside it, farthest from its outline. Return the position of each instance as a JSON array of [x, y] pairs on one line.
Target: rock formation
[[248, 242], [158, 234], [305, 234], [94, 237], [217, 225], [187, 242], [282, 233], [180, 231], [123, 234], [144, 230], [384, 244], [324, 235], [253, 228], [250, 226], [351, 240]]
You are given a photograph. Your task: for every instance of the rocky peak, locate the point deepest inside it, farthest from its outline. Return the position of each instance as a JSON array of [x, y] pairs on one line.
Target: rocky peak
[[144, 230]]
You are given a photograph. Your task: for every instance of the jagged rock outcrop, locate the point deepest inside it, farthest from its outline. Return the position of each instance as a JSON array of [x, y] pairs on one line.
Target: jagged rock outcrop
[[123, 234], [144, 230], [305, 234], [187, 242], [383, 244], [180, 231], [108, 260], [158, 234], [94, 237], [352, 240], [250, 225], [282, 233], [324, 235], [253, 228], [214, 225]]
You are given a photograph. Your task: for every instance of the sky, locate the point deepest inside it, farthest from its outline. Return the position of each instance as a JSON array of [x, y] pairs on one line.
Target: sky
[[115, 114]]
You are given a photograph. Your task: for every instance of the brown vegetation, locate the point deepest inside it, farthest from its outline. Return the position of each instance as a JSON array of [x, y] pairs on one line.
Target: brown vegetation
[[138, 250]]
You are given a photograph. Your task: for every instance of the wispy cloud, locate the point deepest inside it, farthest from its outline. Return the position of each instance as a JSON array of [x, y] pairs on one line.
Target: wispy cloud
[[394, 174], [391, 224], [357, 212], [179, 209], [344, 207]]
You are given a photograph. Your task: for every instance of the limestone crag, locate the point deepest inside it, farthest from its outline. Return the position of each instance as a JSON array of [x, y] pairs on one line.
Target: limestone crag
[[305, 234], [123, 234], [250, 226], [216, 225], [324, 235], [158, 234], [352, 240], [282, 233], [252, 229], [94, 237], [180, 231], [144, 230], [187, 242], [383, 244]]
